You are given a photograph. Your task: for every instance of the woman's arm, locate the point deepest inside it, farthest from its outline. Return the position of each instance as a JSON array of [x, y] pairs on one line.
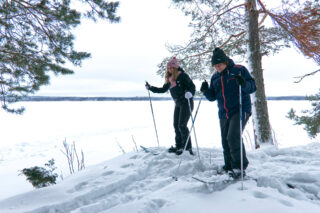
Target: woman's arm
[[162, 89], [190, 87]]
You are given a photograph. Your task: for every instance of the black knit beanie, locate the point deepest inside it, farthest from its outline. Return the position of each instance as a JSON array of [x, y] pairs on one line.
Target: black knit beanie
[[218, 56]]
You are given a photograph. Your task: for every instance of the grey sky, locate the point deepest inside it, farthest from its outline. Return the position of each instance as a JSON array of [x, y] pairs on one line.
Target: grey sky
[[124, 55]]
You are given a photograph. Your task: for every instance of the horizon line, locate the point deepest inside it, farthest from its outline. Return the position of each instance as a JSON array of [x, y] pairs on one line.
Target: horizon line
[[131, 98]]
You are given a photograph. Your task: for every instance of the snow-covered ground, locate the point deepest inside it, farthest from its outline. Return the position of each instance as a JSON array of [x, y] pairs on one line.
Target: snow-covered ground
[[285, 179]]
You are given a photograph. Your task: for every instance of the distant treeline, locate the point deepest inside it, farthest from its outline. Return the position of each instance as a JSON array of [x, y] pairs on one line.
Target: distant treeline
[[59, 98]]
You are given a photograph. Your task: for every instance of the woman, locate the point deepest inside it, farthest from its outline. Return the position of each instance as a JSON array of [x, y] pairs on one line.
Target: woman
[[181, 89], [224, 87]]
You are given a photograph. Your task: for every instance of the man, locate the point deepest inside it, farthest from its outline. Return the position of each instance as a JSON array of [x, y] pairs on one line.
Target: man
[[224, 87]]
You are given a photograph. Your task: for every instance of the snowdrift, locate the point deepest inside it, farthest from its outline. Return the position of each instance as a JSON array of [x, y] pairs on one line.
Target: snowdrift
[[285, 180]]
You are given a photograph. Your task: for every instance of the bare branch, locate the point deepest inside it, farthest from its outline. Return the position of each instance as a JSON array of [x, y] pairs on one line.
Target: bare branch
[[263, 19], [135, 144], [221, 14], [306, 75], [262, 5], [218, 15], [232, 36], [232, 8], [196, 55], [196, 2]]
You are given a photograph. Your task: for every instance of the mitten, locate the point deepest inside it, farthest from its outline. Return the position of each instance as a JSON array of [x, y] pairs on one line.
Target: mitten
[[241, 80], [204, 86]]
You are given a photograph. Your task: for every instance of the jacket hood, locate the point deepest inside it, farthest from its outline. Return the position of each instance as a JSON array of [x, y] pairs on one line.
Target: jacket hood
[[231, 64]]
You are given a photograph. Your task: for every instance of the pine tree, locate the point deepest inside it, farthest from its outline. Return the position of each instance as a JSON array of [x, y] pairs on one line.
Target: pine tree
[[310, 118], [36, 39], [39, 176], [238, 27]]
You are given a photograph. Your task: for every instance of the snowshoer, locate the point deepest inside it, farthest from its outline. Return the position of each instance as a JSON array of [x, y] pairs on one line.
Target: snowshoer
[[181, 87], [224, 87]]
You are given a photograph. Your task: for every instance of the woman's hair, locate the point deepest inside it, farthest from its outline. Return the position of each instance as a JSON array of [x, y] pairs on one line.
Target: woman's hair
[[174, 75]]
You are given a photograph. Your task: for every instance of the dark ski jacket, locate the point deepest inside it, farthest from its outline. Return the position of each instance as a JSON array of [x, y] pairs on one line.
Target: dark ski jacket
[[225, 89], [184, 84]]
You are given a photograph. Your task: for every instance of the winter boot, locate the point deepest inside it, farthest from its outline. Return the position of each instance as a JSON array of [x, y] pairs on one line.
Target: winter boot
[[190, 151], [172, 149], [236, 173], [226, 168], [179, 151], [223, 170]]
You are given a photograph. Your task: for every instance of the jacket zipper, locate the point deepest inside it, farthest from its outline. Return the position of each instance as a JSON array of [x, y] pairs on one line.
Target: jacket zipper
[[224, 99]]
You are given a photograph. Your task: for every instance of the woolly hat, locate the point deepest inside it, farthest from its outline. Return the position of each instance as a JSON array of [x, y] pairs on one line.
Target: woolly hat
[[173, 63], [218, 56]]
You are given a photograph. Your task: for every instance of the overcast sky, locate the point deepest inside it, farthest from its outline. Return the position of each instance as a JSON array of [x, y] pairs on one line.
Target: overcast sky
[[124, 55]]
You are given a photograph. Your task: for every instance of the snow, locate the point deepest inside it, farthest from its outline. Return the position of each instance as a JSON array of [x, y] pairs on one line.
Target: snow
[[279, 180], [142, 182]]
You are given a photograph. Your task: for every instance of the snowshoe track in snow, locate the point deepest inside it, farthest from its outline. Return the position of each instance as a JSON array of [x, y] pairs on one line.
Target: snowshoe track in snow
[[134, 181]]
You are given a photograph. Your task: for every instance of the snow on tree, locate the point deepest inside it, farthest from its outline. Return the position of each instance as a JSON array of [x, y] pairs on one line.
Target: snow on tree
[[239, 27]]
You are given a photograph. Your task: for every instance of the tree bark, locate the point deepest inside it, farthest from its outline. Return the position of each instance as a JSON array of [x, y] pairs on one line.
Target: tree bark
[[262, 128]]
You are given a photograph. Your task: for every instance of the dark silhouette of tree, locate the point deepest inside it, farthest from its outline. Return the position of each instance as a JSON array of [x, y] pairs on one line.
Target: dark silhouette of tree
[[36, 39]]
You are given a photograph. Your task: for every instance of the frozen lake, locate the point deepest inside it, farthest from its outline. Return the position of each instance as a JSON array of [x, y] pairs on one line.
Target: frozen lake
[[98, 127]]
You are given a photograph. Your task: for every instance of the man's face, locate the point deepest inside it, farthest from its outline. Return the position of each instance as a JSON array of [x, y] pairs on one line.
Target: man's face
[[220, 67]]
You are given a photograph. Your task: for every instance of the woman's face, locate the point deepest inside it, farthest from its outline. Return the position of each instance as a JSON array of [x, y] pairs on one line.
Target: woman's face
[[220, 67], [170, 70]]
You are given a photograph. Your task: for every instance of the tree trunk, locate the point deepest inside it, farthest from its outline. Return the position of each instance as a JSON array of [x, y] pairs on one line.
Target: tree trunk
[[262, 129]]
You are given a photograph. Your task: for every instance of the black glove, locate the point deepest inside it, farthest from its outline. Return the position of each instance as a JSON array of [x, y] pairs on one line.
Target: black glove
[[147, 86], [240, 80], [204, 86]]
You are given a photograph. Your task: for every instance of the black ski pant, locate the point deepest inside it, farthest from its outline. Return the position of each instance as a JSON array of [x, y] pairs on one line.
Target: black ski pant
[[230, 135], [181, 117]]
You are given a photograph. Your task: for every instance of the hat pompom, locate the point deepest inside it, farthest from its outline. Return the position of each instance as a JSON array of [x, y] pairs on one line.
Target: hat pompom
[[173, 63]]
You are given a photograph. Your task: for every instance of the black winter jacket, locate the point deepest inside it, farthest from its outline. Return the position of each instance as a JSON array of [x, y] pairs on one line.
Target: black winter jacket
[[184, 84], [225, 89]]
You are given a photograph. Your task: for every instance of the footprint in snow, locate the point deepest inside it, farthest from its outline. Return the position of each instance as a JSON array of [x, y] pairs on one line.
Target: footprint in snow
[[134, 157], [286, 203], [127, 165], [259, 195], [107, 173], [154, 205], [78, 187]]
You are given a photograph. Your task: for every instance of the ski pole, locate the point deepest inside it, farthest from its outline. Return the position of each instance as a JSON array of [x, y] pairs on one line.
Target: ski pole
[[241, 145], [194, 129], [192, 126], [154, 121], [185, 146]]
